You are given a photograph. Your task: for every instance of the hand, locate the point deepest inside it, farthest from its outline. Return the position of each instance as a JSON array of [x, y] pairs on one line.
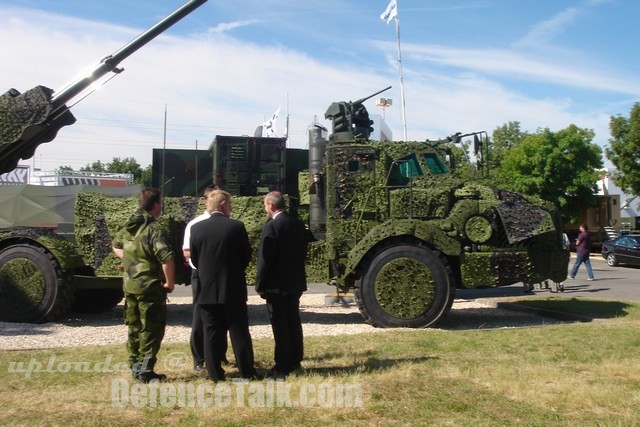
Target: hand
[[169, 287], [121, 267]]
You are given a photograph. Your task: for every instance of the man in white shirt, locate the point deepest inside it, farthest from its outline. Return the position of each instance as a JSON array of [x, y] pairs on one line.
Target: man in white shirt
[[197, 333]]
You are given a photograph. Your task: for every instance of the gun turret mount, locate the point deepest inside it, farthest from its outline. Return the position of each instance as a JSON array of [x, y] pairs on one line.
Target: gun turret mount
[[350, 120]]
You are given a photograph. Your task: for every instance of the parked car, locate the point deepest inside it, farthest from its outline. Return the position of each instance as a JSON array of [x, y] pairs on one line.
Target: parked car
[[623, 250]]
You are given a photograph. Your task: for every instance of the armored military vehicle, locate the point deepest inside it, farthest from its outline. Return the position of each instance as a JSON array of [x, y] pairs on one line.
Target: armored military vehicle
[[42, 267], [392, 222], [397, 226]]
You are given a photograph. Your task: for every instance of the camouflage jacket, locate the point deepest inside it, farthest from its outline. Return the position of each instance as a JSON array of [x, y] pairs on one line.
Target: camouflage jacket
[[145, 250]]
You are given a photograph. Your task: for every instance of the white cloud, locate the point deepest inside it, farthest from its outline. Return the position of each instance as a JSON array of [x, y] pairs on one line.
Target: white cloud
[[224, 27], [546, 31], [212, 83]]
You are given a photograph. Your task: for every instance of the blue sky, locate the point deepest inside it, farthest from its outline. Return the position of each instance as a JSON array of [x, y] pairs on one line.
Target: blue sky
[[468, 65]]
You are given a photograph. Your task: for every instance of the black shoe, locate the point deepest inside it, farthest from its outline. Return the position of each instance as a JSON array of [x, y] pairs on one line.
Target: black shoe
[[198, 368], [275, 374], [147, 377]]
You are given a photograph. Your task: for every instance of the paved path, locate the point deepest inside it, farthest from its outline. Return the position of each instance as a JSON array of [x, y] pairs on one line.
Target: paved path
[[615, 283]]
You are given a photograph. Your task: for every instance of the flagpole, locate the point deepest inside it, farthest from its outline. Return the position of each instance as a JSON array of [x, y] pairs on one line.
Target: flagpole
[[404, 116]]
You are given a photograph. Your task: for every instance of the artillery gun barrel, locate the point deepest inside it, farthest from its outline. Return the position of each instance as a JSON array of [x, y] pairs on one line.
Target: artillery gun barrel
[[361, 100], [110, 63]]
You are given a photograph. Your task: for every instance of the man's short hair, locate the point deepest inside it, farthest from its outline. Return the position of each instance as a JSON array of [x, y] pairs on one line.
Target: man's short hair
[[276, 199], [148, 197], [216, 199], [209, 190], [585, 226]]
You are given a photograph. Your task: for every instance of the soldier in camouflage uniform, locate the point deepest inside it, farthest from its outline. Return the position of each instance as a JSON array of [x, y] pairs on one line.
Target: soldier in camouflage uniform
[[146, 258]]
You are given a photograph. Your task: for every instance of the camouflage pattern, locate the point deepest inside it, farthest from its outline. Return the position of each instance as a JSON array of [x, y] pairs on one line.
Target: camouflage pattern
[[145, 250], [146, 317], [26, 121]]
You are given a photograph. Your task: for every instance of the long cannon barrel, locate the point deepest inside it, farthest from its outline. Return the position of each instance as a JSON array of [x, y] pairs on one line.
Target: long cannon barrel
[[35, 117], [110, 63]]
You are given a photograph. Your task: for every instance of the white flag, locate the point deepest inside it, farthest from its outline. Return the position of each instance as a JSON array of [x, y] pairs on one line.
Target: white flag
[[269, 127], [391, 12]]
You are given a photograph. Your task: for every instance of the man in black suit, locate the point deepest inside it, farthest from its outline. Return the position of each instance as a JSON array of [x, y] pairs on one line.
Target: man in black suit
[[281, 280], [220, 250]]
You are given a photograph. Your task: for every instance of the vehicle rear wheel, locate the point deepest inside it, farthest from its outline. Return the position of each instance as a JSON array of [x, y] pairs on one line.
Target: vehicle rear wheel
[[33, 287], [611, 260], [405, 285]]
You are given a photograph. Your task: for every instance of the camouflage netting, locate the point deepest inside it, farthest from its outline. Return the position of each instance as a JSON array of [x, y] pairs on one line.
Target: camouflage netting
[[522, 220], [18, 112], [27, 121], [506, 237], [99, 217]]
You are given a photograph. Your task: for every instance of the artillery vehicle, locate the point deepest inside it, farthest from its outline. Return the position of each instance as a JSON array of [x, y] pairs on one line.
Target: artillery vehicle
[[42, 270], [397, 226], [393, 222]]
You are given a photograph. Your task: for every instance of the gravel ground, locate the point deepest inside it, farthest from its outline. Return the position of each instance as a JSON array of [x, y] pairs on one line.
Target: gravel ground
[[318, 319]]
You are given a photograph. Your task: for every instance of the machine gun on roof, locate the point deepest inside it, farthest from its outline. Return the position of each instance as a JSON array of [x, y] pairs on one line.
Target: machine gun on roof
[[350, 120]]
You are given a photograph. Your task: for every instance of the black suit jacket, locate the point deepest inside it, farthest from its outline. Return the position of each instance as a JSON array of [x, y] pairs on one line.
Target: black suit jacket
[[220, 250], [281, 256]]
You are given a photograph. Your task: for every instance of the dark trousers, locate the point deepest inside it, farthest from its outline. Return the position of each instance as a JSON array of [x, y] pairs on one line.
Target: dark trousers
[[217, 320], [197, 329], [197, 333], [284, 314]]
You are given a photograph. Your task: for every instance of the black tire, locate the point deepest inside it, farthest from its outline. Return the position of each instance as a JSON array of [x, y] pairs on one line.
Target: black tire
[[33, 287], [405, 285], [96, 300], [611, 259]]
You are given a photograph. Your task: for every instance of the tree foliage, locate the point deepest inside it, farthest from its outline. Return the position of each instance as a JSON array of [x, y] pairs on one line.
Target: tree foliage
[[560, 167], [624, 150], [504, 139], [121, 165]]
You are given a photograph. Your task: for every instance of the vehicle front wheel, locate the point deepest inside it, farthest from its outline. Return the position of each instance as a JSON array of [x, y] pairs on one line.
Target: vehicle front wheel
[[611, 260], [405, 285]]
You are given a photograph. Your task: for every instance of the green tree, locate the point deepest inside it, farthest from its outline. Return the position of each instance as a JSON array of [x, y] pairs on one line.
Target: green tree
[[503, 140], [126, 165], [624, 150], [560, 167], [65, 168], [122, 165], [145, 178], [97, 166]]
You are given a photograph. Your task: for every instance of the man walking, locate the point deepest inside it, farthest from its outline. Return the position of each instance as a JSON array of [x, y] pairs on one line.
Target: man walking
[[281, 280], [220, 250], [147, 259], [583, 249]]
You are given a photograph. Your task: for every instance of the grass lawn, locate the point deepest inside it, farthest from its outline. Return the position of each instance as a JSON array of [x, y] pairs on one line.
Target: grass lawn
[[573, 374]]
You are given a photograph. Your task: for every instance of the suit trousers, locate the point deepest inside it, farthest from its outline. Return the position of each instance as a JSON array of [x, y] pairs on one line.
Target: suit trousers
[[284, 314], [197, 329], [217, 320], [197, 334]]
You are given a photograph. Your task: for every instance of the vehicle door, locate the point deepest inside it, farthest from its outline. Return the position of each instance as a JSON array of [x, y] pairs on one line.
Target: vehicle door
[[621, 249], [633, 251]]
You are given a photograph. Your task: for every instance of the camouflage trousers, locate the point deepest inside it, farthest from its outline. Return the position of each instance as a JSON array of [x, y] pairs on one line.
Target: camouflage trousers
[[146, 317]]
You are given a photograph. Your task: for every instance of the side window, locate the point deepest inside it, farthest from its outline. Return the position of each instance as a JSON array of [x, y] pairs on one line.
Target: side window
[[409, 166], [436, 167]]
